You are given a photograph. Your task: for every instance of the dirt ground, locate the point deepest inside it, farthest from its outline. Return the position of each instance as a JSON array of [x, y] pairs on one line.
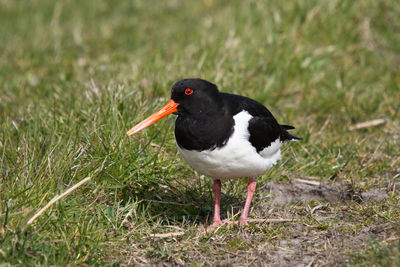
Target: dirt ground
[[338, 234], [300, 222]]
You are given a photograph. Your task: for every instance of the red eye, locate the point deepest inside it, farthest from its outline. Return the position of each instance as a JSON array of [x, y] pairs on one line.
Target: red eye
[[188, 91]]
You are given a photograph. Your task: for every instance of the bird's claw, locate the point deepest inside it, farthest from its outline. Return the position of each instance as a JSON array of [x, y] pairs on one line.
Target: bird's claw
[[215, 224]]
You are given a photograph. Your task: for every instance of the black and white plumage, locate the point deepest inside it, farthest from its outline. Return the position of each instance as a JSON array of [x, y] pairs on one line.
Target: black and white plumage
[[223, 136]]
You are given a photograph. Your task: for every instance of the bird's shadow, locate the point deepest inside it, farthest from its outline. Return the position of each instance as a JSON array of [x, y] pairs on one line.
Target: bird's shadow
[[190, 200]]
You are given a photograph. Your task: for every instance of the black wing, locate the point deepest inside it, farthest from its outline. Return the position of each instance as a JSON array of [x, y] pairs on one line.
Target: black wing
[[263, 127], [265, 130]]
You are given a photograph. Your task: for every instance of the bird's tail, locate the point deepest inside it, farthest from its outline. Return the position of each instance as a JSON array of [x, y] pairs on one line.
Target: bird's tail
[[285, 136]]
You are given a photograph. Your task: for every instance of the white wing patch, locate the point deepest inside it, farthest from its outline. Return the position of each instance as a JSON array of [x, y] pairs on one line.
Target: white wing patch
[[238, 158]]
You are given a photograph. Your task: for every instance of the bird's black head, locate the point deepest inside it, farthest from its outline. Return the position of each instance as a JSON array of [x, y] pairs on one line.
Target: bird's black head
[[195, 96]]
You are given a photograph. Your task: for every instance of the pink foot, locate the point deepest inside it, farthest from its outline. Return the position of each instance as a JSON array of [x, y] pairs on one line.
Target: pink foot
[[240, 222], [215, 224], [212, 226], [243, 218], [243, 221]]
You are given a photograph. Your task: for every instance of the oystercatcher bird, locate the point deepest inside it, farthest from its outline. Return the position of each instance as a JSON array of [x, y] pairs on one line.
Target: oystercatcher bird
[[223, 136]]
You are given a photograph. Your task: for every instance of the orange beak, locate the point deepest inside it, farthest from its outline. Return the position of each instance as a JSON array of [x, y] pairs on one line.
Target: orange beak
[[169, 108]]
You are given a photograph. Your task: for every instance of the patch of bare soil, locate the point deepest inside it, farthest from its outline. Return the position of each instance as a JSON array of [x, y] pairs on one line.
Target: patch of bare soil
[[305, 247], [282, 193], [331, 233], [305, 190]]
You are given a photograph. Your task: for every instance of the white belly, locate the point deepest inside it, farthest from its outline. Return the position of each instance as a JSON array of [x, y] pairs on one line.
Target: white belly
[[238, 158]]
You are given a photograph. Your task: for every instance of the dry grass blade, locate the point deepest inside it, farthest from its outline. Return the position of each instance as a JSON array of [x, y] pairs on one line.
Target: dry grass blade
[[164, 235], [310, 182], [56, 198], [278, 220], [367, 124]]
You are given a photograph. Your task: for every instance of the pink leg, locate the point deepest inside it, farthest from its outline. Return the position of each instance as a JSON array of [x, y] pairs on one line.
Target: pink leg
[[251, 187], [217, 193]]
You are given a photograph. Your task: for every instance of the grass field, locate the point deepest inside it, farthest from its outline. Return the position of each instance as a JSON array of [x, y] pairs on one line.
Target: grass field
[[76, 75]]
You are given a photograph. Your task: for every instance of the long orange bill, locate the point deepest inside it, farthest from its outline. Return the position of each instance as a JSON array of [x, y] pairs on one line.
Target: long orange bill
[[169, 108]]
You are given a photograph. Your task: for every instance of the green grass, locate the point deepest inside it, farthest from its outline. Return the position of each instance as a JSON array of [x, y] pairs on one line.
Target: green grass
[[76, 75]]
